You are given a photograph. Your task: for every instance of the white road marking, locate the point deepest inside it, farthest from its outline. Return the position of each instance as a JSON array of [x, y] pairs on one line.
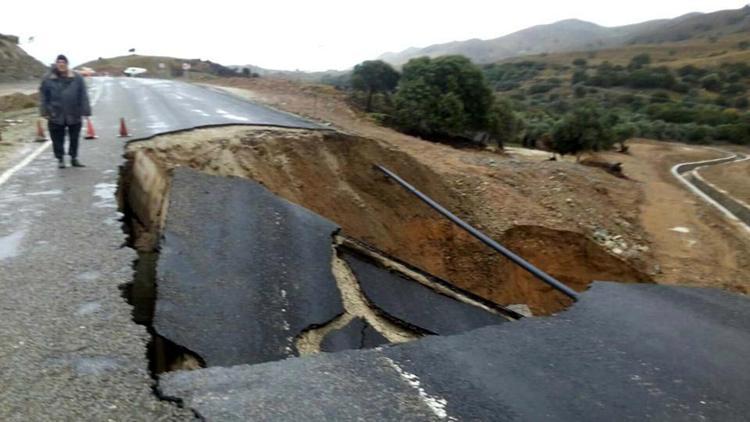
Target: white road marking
[[696, 173], [29, 158], [436, 404], [729, 214]]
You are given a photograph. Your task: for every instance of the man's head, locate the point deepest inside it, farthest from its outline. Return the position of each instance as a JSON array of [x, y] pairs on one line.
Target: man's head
[[61, 64]]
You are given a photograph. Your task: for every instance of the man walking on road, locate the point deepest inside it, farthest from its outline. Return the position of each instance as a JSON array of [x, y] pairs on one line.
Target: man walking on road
[[63, 100]]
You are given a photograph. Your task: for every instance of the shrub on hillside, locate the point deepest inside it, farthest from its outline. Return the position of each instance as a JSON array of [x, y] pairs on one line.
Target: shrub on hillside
[[651, 78], [690, 70], [508, 76], [734, 89], [541, 88], [639, 61], [711, 82], [579, 77]]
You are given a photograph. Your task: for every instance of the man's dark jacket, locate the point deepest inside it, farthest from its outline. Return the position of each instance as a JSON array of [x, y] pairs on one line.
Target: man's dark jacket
[[63, 100]]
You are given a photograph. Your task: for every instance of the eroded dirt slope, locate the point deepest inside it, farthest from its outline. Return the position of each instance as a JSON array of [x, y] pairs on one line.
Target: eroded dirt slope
[[332, 174]]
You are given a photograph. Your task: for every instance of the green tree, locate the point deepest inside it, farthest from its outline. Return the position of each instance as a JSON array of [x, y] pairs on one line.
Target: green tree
[[446, 96], [621, 133], [374, 76], [584, 129], [504, 124]]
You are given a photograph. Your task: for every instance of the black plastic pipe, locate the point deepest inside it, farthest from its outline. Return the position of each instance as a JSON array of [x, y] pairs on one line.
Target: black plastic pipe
[[536, 272]]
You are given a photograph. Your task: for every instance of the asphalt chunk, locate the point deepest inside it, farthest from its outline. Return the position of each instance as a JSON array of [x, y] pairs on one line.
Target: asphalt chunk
[[415, 304], [357, 334], [344, 386], [242, 272]]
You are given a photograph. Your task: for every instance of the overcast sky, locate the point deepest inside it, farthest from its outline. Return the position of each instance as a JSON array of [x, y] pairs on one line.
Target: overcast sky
[[306, 35]]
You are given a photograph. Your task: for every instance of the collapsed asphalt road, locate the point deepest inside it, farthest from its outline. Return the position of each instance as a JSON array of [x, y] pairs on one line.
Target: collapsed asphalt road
[[246, 277]]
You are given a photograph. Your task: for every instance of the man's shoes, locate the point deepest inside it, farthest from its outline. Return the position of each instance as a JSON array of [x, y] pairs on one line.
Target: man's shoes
[[61, 163], [75, 163]]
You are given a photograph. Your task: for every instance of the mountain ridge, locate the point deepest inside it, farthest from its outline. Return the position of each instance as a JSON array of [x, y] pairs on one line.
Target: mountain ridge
[[578, 35]]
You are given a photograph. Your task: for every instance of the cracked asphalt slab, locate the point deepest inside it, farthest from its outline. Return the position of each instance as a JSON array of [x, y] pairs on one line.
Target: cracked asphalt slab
[[69, 349], [242, 272], [624, 352], [345, 386], [357, 334], [414, 304]]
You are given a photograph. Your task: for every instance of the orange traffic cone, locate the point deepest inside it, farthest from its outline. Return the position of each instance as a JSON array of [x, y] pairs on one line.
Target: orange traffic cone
[[40, 137], [123, 129], [90, 133]]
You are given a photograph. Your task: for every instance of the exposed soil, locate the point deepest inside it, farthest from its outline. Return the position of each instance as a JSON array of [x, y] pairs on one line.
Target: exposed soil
[[18, 101], [332, 174]]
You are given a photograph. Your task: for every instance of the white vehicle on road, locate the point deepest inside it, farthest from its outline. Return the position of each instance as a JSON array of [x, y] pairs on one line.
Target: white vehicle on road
[[134, 71]]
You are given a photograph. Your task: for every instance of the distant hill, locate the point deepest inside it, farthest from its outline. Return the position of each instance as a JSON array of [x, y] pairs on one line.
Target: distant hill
[[576, 35], [172, 66], [15, 63], [697, 25], [295, 75]]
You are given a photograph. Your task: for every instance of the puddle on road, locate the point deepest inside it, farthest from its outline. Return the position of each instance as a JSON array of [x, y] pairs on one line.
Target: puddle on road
[[10, 245], [231, 116], [46, 193], [106, 194]]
